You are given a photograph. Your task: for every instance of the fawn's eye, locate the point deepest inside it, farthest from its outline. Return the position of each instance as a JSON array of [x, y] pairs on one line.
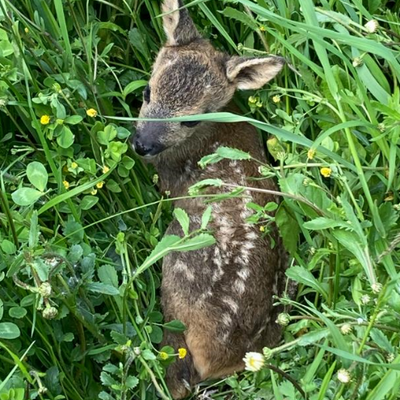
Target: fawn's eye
[[146, 93], [190, 124]]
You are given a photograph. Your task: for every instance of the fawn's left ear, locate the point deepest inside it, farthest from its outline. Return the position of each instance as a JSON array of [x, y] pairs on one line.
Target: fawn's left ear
[[178, 25], [253, 72]]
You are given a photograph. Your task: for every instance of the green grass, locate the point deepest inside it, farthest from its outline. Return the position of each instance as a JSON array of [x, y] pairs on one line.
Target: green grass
[[81, 220]]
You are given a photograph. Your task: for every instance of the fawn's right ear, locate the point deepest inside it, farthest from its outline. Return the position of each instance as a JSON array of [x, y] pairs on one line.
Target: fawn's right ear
[[178, 25]]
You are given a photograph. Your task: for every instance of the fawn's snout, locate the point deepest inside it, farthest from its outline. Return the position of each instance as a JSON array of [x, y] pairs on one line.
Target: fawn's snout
[[146, 141]]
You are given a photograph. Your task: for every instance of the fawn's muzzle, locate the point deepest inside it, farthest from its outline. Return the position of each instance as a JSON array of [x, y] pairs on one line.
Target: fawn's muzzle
[[146, 142]]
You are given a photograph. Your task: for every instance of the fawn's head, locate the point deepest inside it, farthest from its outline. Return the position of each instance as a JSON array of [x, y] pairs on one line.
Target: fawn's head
[[190, 77]]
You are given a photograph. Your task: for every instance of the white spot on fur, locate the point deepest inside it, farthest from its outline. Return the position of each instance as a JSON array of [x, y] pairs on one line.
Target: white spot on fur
[[231, 303], [243, 273], [242, 259], [249, 245], [205, 295], [226, 319], [239, 286], [251, 235], [181, 267]]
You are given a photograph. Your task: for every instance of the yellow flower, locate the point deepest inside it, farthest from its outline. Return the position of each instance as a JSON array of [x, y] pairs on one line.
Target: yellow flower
[[182, 353], [91, 112], [311, 154], [262, 28], [262, 228], [163, 355], [253, 361], [26, 30], [100, 185], [74, 165], [326, 172], [276, 99], [93, 192], [66, 184], [105, 169], [44, 119]]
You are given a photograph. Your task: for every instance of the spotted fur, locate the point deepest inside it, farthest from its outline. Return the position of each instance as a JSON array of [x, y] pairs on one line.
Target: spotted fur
[[224, 293]]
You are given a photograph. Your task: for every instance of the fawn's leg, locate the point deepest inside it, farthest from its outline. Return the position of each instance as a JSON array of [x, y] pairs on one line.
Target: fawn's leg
[[181, 375]]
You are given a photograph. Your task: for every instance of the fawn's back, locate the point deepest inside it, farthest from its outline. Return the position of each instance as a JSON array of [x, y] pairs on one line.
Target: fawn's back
[[222, 293]]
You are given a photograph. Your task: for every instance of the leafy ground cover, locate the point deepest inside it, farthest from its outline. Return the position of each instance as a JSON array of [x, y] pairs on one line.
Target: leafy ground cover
[[81, 219]]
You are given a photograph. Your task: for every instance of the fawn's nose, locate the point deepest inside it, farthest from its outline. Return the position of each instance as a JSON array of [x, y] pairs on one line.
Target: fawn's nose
[[145, 144]]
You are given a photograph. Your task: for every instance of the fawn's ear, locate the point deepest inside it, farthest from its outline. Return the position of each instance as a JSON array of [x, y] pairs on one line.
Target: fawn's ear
[[178, 25], [253, 72]]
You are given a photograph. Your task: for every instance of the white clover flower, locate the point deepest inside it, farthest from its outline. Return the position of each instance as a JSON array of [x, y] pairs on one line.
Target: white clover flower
[[283, 319], [253, 361], [360, 321], [372, 26], [346, 329], [390, 357], [357, 62], [343, 376], [376, 287], [50, 312], [365, 299], [45, 289]]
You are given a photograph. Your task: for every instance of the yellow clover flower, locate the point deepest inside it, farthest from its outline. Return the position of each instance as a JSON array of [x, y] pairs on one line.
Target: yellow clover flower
[[100, 185], [74, 165], [66, 184], [326, 172], [311, 154], [93, 192], [44, 119], [182, 353], [91, 112], [276, 99], [105, 169], [163, 355]]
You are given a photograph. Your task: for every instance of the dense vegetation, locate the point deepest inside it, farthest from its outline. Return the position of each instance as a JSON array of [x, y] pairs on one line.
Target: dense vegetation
[[81, 220]]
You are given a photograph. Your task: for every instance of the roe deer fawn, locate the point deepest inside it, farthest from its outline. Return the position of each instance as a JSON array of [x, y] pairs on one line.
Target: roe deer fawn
[[223, 293]]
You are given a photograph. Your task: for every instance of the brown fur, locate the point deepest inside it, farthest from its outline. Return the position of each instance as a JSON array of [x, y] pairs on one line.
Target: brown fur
[[223, 293]]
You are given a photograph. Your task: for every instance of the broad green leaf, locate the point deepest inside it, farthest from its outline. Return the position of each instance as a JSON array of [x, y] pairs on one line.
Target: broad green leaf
[[175, 326], [148, 355], [313, 336], [8, 247], [325, 223], [66, 138], [73, 119], [26, 196], [88, 202], [102, 288], [195, 243], [17, 312], [232, 154], [108, 275], [37, 175], [131, 87], [206, 217], [131, 382], [9, 331], [183, 219], [302, 275], [194, 189]]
